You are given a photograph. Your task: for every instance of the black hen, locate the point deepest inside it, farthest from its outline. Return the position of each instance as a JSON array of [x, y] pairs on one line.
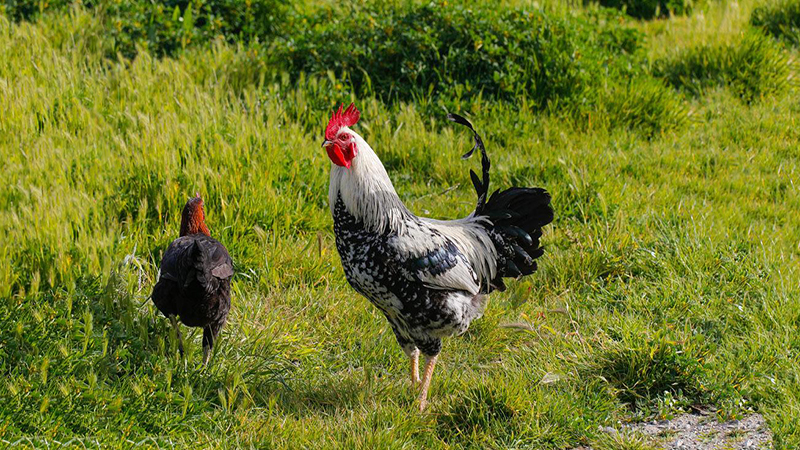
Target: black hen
[[195, 282]]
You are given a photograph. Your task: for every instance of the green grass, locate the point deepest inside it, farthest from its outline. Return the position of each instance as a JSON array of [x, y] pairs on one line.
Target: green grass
[[753, 67], [780, 19], [670, 278]]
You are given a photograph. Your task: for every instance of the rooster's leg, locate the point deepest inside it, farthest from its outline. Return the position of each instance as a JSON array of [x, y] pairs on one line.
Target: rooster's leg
[[413, 355], [430, 363], [177, 326]]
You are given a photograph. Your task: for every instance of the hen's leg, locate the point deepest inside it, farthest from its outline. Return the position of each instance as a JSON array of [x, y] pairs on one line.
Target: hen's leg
[[413, 355], [430, 363], [210, 334], [177, 326], [208, 344]]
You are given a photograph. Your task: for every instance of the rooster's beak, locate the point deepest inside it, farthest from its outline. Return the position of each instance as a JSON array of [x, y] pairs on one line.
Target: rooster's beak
[[326, 143]]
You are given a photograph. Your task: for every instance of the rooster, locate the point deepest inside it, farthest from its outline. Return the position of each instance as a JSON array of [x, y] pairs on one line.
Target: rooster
[[195, 281], [428, 277]]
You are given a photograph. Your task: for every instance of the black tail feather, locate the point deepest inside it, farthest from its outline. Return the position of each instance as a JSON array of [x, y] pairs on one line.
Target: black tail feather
[[481, 186], [517, 216]]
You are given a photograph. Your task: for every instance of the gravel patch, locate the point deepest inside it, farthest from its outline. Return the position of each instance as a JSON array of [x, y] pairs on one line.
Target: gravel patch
[[696, 432], [699, 432]]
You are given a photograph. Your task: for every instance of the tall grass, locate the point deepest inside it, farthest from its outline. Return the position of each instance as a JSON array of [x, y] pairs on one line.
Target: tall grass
[[780, 19], [438, 55], [752, 67]]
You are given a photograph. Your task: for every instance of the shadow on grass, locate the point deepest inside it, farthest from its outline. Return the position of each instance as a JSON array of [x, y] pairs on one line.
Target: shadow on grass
[[328, 397]]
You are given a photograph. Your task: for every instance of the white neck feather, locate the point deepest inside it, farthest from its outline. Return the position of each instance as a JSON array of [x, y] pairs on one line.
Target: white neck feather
[[367, 191]]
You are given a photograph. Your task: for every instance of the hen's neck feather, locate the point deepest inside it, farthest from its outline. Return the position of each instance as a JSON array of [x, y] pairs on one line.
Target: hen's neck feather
[[367, 192]]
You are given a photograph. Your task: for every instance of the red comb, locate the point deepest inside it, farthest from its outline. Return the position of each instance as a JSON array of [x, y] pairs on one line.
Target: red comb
[[341, 119]]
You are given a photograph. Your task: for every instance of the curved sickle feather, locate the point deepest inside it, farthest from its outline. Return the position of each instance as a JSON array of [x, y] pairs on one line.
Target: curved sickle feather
[[481, 187]]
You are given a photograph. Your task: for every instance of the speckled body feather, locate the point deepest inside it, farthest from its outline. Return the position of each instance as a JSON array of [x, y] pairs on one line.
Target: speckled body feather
[[420, 315]]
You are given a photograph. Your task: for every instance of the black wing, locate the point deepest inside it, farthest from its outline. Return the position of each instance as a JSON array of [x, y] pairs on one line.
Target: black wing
[[212, 263]]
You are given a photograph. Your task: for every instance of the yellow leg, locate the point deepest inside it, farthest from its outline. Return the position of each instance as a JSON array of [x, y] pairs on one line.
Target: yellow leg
[[414, 356], [430, 363]]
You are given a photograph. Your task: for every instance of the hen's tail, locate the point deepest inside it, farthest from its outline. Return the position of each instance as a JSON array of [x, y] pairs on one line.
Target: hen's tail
[[516, 217]]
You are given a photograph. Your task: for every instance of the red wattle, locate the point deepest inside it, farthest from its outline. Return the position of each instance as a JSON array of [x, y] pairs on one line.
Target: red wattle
[[351, 153], [336, 156]]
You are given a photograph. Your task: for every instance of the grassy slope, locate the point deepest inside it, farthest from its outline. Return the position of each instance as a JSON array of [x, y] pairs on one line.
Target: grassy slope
[[672, 265]]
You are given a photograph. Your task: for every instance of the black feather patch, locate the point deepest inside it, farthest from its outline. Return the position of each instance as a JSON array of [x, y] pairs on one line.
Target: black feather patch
[[523, 258], [513, 270], [436, 261], [475, 181], [196, 272], [462, 121], [519, 233], [517, 216]]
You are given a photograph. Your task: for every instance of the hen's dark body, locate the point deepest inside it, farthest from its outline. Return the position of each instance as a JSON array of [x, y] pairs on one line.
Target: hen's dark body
[[195, 284]]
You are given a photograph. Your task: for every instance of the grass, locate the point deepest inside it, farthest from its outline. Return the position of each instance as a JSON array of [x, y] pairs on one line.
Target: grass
[[780, 19], [752, 67], [650, 9], [670, 279]]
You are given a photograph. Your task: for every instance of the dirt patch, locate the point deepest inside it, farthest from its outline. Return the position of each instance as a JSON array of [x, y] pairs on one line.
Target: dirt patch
[[699, 432]]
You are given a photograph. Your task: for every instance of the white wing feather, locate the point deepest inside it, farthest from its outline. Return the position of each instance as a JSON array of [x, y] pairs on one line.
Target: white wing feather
[[456, 272], [472, 240]]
